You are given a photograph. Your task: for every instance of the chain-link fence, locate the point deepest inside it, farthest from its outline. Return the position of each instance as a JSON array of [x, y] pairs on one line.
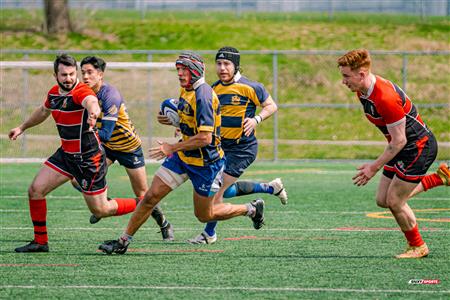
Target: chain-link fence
[[318, 117]]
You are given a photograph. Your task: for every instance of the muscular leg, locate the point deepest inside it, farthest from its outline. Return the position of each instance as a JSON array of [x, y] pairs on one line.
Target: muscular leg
[[206, 210], [383, 187], [396, 198], [138, 179], [158, 190], [45, 181]]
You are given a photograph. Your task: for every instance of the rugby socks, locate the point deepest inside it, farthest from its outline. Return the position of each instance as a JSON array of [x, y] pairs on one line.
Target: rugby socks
[[38, 212], [431, 181], [413, 236], [158, 215], [241, 188], [125, 205], [210, 228]]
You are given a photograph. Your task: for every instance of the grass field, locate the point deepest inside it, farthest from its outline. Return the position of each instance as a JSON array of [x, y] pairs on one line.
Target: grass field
[[322, 245]]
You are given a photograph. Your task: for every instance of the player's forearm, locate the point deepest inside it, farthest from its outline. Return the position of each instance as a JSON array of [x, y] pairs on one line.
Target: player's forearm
[[268, 109], [197, 141], [392, 149], [38, 116], [91, 105]]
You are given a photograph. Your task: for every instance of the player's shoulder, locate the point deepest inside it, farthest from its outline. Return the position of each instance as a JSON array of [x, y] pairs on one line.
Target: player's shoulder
[[54, 90], [383, 89], [204, 90], [108, 91], [255, 85]]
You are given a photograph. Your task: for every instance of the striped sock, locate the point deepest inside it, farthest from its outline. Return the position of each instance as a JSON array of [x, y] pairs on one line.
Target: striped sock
[[38, 213], [125, 205], [413, 236], [431, 181]]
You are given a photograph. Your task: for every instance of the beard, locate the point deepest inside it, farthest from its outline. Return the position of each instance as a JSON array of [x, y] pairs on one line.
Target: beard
[[64, 88]]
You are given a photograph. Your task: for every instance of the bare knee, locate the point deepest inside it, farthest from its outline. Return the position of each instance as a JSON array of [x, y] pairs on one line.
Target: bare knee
[[36, 191], [381, 202], [204, 218]]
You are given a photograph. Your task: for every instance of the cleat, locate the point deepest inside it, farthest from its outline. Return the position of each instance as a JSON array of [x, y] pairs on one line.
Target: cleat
[[258, 218], [93, 219], [415, 252], [119, 246], [32, 247], [203, 238], [167, 233], [444, 173], [279, 190]]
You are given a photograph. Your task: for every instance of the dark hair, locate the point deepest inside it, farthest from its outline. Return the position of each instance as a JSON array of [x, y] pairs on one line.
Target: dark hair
[[231, 54], [66, 60], [95, 61]]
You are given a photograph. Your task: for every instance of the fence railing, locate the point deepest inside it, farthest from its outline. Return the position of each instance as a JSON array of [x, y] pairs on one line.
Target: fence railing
[[301, 81]]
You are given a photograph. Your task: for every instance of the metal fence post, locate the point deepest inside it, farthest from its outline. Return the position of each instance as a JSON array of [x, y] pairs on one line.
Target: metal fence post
[[149, 103], [404, 71], [275, 97], [24, 107]]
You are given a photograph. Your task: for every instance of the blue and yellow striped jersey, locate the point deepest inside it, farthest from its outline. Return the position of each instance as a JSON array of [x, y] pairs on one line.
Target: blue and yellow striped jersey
[[238, 100], [199, 110], [124, 137]]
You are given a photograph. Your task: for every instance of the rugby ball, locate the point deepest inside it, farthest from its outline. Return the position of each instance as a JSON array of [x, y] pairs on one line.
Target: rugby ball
[[169, 108]]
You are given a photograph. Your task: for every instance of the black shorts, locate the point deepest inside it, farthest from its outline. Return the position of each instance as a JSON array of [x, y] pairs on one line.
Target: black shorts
[[239, 157], [130, 160], [88, 169], [412, 163]]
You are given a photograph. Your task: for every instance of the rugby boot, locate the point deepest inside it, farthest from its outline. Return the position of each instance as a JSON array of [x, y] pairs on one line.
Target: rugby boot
[[167, 233], [415, 252], [258, 218], [279, 190], [444, 173], [203, 238], [32, 247]]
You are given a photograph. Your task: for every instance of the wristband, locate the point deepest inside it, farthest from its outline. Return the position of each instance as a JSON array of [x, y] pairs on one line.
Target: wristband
[[258, 119]]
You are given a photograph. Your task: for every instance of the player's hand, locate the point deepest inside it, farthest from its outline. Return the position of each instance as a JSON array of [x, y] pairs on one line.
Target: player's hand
[[177, 132], [14, 133], [364, 174], [163, 120], [160, 152], [249, 126], [92, 120]]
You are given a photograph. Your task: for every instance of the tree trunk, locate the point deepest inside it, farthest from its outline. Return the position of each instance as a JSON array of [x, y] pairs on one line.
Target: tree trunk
[[57, 16]]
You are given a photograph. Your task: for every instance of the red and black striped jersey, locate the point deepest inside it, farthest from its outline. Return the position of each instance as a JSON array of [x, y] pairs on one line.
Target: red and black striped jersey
[[387, 105], [71, 118]]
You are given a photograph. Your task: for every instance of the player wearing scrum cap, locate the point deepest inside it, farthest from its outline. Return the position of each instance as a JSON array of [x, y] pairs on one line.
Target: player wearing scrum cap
[[239, 98], [198, 157]]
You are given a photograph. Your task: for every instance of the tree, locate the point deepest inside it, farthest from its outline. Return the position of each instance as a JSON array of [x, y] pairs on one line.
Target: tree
[[57, 18]]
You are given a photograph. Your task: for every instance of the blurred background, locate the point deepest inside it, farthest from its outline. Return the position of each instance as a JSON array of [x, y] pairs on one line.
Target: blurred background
[[289, 46]]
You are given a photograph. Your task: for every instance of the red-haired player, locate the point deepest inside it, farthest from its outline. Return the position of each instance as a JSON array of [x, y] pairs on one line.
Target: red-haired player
[[411, 149]]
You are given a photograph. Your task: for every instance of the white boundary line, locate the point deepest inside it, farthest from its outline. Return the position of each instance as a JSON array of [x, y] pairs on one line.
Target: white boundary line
[[183, 229], [237, 288], [81, 197]]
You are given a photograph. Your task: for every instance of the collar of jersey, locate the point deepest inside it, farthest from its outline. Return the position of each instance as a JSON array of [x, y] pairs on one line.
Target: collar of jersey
[[373, 80], [198, 82], [236, 78]]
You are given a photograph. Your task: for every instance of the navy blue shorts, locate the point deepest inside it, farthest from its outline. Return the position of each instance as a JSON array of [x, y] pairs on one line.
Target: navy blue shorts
[[239, 157], [412, 163], [88, 169], [130, 160], [206, 180]]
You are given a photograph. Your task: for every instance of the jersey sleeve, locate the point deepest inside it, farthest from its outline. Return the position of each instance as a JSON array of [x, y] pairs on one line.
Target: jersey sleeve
[[390, 108], [261, 93], [204, 110], [111, 101], [81, 93]]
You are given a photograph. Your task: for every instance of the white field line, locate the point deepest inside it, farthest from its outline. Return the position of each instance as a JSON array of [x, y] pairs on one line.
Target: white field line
[[24, 196], [181, 229], [233, 288]]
